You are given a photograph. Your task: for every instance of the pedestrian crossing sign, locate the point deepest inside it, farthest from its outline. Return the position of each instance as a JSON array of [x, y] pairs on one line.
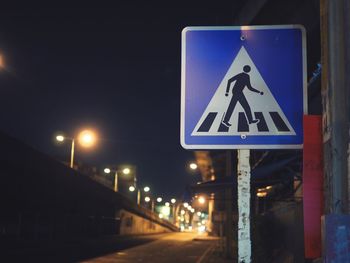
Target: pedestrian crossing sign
[[243, 87]]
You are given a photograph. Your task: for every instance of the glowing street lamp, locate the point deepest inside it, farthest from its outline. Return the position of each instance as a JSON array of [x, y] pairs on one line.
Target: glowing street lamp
[[146, 189], [147, 199], [173, 200], [126, 170], [132, 188], [60, 138], [185, 205], [201, 200], [167, 204], [86, 138], [193, 166], [159, 199]]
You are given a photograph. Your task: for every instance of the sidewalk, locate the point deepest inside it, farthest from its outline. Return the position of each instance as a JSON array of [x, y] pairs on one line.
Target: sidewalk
[[214, 253]]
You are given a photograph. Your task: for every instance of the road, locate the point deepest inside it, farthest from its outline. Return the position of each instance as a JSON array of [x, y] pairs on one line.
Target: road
[[171, 247], [174, 247]]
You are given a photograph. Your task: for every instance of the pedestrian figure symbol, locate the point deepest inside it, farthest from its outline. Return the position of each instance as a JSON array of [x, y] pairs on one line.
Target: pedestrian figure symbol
[[241, 81], [242, 105]]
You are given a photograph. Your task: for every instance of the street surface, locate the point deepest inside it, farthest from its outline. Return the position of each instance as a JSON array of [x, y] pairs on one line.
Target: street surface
[[174, 247]]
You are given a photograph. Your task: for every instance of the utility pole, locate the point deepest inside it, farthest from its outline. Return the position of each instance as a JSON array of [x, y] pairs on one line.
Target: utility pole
[[335, 99], [335, 42]]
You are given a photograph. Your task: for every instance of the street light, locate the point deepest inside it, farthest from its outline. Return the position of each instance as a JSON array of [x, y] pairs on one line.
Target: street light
[[159, 199], [116, 176], [173, 200], [201, 200], [86, 138], [126, 170], [131, 188], [61, 138], [146, 189], [193, 166]]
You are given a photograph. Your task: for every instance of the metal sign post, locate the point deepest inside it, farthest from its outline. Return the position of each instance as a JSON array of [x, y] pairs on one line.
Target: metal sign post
[[243, 189]]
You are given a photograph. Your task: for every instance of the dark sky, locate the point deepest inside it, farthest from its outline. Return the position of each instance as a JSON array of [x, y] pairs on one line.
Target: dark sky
[[115, 68]]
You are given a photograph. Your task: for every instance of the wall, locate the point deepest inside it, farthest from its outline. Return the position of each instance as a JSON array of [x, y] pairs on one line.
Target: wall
[[131, 224]]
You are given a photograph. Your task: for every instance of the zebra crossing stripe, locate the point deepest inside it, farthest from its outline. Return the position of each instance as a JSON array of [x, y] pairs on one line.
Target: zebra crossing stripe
[[262, 126], [279, 123], [205, 127], [243, 125], [223, 127]]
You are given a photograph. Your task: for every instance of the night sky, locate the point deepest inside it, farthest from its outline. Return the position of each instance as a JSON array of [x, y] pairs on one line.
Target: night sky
[[113, 68]]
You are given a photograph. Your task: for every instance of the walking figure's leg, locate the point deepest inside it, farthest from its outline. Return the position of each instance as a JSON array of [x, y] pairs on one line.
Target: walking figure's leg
[[229, 111], [243, 101]]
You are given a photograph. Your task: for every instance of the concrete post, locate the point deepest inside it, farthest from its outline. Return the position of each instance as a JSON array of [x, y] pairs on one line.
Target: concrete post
[[243, 190]]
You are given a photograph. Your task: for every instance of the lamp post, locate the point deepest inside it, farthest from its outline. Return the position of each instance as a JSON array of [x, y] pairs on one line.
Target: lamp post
[[61, 138], [86, 139], [124, 171], [146, 189], [173, 202]]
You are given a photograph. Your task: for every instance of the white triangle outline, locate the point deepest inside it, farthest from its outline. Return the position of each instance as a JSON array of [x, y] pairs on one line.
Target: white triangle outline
[[262, 103]]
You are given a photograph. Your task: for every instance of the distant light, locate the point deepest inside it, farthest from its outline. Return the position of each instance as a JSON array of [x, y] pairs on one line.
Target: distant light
[[183, 212], [201, 229], [199, 213], [192, 210], [126, 170], [159, 199], [173, 200], [147, 199], [269, 187], [165, 210], [107, 170], [167, 204], [60, 138], [182, 219], [131, 188], [185, 204], [193, 166], [87, 138], [146, 189], [189, 207], [201, 200], [161, 216], [261, 194]]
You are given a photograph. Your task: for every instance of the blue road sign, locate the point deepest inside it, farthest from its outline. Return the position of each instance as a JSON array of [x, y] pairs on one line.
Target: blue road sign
[[243, 87]]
